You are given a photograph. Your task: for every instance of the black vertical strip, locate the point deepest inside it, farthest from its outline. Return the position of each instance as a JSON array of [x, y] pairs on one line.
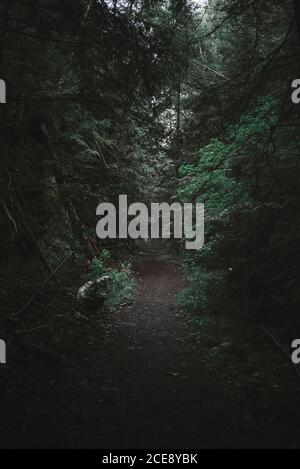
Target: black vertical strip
[[297, 12]]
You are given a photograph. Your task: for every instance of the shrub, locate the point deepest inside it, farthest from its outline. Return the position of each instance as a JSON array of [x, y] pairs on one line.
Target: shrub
[[121, 286]]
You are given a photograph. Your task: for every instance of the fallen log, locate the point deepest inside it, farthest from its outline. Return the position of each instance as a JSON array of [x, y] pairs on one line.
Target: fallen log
[[94, 289]]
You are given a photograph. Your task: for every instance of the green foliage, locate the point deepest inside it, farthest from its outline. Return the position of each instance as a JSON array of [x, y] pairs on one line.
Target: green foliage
[[99, 264], [121, 286], [250, 217], [201, 294], [172, 90]]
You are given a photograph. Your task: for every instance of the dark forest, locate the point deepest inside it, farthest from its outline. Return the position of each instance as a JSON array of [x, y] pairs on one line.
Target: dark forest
[[142, 343]]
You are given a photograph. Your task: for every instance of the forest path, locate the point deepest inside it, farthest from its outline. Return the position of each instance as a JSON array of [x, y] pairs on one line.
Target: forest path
[[148, 386], [134, 378]]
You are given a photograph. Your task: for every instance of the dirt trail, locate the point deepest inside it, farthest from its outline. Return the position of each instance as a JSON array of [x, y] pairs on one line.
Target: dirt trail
[[132, 379], [155, 391]]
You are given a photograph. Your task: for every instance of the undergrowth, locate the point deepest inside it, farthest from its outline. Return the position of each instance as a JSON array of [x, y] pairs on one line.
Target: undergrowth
[[121, 282]]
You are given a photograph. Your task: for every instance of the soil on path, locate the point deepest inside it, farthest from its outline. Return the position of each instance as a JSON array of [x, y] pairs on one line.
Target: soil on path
[[134, 379], [155, 391]]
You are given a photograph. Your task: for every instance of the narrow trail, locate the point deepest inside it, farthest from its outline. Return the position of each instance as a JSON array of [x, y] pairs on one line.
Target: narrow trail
[[132, 379], [151, 388]]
